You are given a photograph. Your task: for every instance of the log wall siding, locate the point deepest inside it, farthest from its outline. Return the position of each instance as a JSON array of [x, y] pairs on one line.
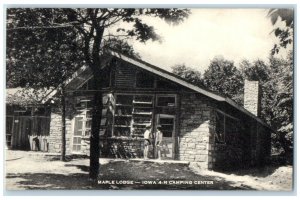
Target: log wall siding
[[125, 77]]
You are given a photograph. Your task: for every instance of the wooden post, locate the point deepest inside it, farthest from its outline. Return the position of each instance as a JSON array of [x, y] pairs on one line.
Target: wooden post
[[177, 126], [63, 131], [154, 125]]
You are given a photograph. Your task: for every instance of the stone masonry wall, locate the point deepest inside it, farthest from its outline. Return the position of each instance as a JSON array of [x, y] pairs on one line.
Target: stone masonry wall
[[195, 130], [55, 132]]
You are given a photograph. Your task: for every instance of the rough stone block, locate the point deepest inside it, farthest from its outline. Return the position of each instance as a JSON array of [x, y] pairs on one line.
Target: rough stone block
[[200, 146], [191, 145], [202, 158]]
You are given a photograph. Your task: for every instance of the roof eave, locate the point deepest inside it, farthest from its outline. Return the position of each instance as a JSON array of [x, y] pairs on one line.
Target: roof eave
[[232, 103]]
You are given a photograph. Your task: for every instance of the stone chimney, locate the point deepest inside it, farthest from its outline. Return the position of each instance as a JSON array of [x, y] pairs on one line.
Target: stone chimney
[[252, 97]]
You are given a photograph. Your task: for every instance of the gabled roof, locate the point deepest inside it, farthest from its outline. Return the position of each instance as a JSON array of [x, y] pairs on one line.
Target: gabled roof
[[84, 71], [172, 77]]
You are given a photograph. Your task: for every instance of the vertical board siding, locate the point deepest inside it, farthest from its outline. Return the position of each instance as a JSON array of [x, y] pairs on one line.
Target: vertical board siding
[[27, 129]]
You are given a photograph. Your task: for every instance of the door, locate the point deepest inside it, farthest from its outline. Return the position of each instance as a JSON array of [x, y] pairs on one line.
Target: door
[[21, 129], [167, 124]]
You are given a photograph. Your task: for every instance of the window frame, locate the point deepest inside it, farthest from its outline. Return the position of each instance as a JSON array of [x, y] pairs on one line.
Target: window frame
[[83, 115], [166, 95]]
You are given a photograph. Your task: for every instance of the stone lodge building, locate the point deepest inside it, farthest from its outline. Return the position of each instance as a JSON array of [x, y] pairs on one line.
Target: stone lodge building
[[198, 125]]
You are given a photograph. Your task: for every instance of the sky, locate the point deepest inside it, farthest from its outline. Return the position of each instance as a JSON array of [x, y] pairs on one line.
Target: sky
[[234, 34]]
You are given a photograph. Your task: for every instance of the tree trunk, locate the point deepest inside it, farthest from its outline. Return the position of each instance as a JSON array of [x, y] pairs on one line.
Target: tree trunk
[[95, 129], [63, 131], [95, 66]]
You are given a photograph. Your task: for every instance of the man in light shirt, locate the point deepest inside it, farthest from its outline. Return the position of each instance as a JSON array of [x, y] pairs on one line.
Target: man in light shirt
[[147, 141]]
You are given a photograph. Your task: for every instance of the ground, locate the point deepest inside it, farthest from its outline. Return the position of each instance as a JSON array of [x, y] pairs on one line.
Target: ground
[[34, 171]]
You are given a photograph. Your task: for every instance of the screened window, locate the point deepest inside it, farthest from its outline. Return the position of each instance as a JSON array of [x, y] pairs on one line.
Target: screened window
[[227, 129]]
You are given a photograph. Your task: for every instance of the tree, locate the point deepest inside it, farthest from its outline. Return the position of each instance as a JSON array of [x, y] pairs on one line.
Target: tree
[[90, 25], [256, 71], [223, 77], [122, 46], [283, 101], [285, 34], [40, 58], [282, 107], [189, 74]]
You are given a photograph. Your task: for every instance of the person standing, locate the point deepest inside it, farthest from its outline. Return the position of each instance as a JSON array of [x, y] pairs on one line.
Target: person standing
[[147, 141], [158, 141]]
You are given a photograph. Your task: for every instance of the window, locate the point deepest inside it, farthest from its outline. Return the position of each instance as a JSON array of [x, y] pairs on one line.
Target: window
[[83, 119], [220, 128], [144, 80], [77, 134], [166, 101], [227, 129], [167, 125], [82, 123], [133, 114]]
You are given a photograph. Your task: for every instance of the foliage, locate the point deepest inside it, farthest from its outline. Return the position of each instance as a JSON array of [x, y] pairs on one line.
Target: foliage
[[191, 75], [121, 46], [282, 80], [33, 54], [224, 78], [256, 71], [286, 33]]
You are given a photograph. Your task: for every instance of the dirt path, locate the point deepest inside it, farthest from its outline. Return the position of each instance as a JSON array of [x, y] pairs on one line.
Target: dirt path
[[278, 180], [23, 172]]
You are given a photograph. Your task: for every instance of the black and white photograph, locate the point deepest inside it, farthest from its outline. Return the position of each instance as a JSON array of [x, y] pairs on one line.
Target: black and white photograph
[[149, 98]]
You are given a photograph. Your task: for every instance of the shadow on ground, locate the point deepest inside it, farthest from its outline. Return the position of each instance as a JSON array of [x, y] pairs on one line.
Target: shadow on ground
[[137, 171], [260, 172]]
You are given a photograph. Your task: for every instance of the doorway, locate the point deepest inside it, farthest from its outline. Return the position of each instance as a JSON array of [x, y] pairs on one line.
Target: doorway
[[167, 124]]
